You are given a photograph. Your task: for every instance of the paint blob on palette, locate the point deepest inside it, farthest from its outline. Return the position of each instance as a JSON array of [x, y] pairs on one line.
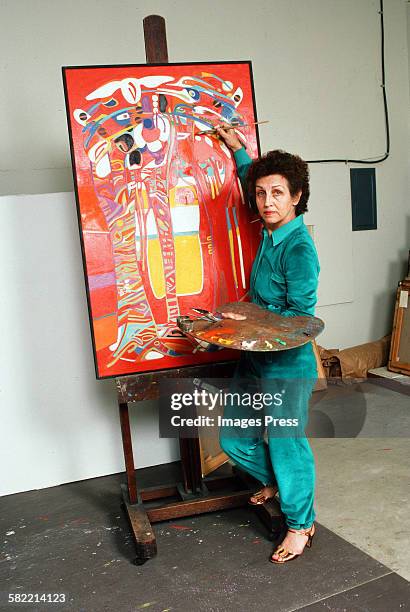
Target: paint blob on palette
[[261, 330], [163, 220]]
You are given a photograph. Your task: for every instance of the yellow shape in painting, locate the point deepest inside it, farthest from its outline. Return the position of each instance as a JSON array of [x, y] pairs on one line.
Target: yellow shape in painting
[[188, 264], [188, 259], [232, 256]]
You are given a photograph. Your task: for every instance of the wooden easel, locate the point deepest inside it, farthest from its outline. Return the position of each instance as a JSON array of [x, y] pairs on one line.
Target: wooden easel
[[195, 494]]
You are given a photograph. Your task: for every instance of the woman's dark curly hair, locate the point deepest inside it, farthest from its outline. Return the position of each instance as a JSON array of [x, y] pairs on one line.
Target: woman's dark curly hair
[[292, 167]]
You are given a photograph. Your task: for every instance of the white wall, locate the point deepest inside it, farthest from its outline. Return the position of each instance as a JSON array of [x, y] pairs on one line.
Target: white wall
[[58, 423], [317, 79]]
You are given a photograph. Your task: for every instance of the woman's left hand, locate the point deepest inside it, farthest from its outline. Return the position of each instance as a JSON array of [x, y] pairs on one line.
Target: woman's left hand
[[233, 315]]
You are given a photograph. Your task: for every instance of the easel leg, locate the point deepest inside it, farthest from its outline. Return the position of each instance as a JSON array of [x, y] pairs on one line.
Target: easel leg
[[145, 541], [144, 536], [128, 455]]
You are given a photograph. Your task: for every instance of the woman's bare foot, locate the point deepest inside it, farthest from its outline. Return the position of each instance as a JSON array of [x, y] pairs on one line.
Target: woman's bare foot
[[260, 497]]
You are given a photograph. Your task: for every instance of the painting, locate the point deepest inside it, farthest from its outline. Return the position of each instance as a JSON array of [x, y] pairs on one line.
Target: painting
[[164, 224]]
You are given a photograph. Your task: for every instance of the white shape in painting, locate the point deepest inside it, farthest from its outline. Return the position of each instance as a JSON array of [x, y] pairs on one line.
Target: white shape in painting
[[130, 88], [103, 167], [106, 90], [151, 226], [209, 111], [181, 95], [188, 180], [120, 330], [241, 260], [137, 134], [153, 355], [123, 116], [154, 146], [225, 149], [164, 127], [185, 219], [77, 113], [201, 126], [221, 171], [98, 151], [237, 92], [151, 234], [227, 85]]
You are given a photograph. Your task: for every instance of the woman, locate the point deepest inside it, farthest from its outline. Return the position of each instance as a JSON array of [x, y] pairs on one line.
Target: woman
[[284, 280]]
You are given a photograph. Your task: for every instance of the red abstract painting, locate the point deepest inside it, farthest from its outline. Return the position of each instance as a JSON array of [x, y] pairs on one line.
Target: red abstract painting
[[163, 222]]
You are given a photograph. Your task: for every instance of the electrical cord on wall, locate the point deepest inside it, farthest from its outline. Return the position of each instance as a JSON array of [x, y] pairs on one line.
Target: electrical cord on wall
[[386, 114]]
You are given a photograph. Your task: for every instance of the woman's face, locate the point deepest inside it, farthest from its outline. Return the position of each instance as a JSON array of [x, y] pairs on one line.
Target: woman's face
[[275, 204]]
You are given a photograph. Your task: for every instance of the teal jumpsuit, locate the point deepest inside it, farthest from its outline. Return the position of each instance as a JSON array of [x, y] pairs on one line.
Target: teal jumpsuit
[[284, 280]]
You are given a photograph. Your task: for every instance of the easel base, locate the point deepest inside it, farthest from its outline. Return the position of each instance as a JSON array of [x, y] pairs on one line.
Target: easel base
[[141, 515]]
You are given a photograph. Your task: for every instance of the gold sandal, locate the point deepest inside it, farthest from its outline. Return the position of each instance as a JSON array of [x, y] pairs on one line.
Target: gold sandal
[[261, 498], [287, 555]]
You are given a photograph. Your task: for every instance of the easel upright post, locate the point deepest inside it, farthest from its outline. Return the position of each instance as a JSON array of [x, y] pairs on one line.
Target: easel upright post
[[128, 455], [155, 36]]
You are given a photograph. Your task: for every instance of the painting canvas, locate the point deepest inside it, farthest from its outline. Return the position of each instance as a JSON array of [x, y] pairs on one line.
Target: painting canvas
[[163, 222]]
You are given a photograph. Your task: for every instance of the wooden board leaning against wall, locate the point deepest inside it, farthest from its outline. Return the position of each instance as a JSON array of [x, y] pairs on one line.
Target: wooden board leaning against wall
[[399, 359]]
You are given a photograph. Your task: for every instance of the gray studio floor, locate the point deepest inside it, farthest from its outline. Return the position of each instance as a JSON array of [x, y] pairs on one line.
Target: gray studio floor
[[75, 539]]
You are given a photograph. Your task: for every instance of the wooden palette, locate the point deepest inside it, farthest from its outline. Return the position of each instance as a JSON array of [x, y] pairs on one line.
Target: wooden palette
[[262, 330]]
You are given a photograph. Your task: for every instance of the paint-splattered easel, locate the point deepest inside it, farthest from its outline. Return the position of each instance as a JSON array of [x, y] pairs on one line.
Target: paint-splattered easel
[[195, 494]]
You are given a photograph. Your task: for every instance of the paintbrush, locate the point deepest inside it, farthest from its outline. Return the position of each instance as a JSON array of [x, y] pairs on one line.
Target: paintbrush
[[231, 127], [207, 315]]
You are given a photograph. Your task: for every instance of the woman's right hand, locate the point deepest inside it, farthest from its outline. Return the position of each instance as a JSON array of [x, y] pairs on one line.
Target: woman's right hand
[[229, 137]]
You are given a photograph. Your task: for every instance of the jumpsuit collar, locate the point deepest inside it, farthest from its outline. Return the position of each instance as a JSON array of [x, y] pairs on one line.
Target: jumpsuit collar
[[279, 234]]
